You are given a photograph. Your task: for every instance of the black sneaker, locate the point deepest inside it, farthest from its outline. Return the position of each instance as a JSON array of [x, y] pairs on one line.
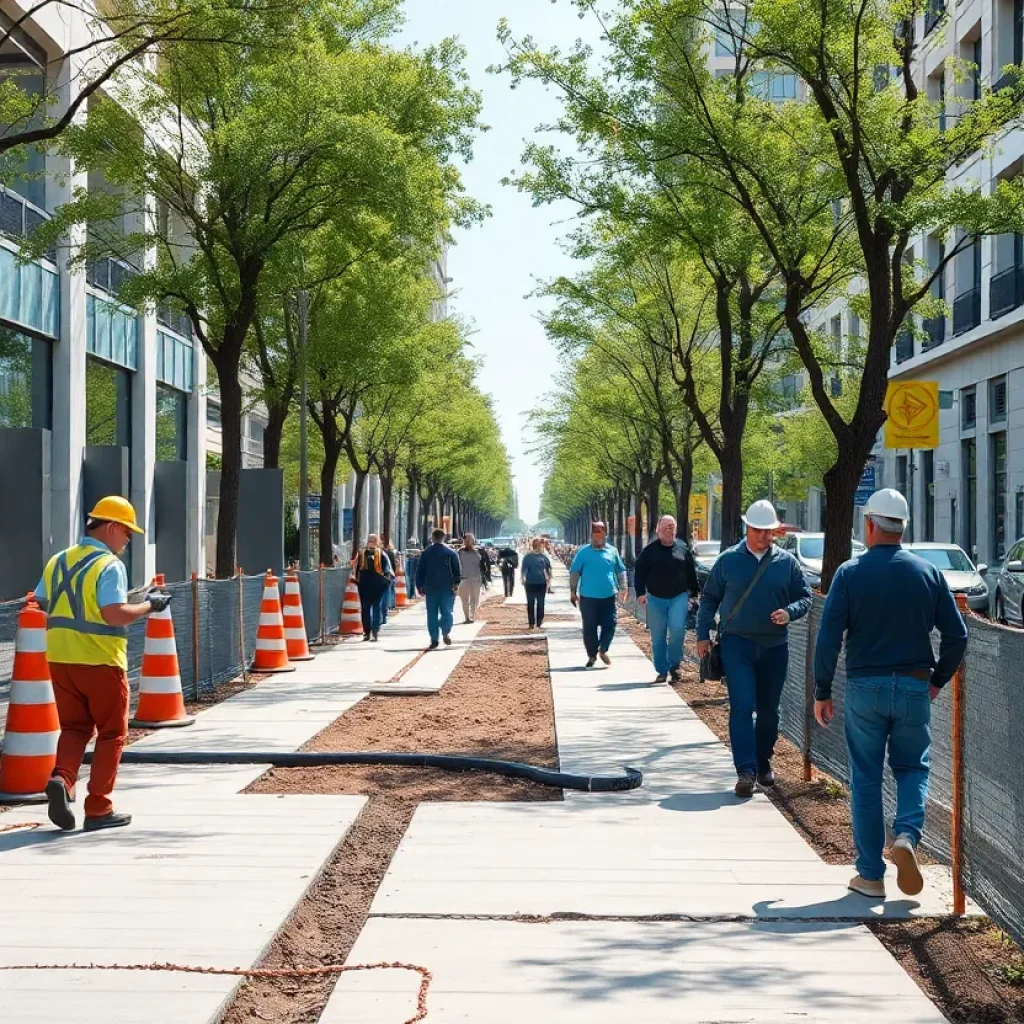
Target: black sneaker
[[433, 645], [366, 636], [111, 820], [374, 637], [59, 805], [590, 662], [447, 641], [676, 675], [766, 778], [662, 677], [745, 785]]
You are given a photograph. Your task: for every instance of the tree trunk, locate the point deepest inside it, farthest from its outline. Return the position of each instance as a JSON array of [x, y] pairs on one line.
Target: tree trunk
[[387, 485], [332, 452], [841, 483], [272, 434], [358, 540], [731, 464], [684, 487], [653, 504], [410, 512], [638, 526], [231, 466], [620, 519]]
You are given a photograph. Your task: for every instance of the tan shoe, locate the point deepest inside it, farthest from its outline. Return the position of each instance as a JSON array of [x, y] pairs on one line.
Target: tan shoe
[[908, 873], [875, 890]]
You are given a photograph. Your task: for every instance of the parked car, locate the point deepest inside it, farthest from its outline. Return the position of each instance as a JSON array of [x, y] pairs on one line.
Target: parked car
[[960, 572], [1007, 585], [809, 551], [705, 554]]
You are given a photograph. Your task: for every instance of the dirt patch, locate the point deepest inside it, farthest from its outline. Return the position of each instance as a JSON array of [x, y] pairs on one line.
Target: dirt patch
[[968, 967], [497, 703], [509, 619]]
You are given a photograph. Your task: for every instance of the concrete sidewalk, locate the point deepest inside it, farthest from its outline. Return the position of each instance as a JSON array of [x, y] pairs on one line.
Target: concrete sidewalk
[[766, 932]]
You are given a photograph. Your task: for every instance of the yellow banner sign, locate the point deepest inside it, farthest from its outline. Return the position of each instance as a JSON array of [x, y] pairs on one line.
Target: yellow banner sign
[[699, 516], [912, 414]]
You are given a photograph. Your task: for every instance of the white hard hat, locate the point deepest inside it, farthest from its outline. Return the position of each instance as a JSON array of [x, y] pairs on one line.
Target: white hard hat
[[889, 504], [761, 516]]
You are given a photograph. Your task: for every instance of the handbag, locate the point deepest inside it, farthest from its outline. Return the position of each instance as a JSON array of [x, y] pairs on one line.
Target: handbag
[[711, 667]]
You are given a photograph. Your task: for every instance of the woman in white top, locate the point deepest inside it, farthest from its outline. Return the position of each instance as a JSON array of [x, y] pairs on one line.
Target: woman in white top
[[476, 573]]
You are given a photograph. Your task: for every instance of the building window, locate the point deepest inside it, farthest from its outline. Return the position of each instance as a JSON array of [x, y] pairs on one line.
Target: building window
[[976, 59], [969, 474], [997, 455], [108, 404], [1019, 514], [901, 474], [968, 408], [112, 332], [997, 400], [726, 31], [928, 472], [171, 424], [26, 380], [174, 361], [213, 413], [29, 294]]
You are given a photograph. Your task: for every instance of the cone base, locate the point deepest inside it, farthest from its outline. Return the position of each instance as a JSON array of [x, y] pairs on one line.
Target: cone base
[[303, 657], [269, 671], [173, 723], [22, 798]]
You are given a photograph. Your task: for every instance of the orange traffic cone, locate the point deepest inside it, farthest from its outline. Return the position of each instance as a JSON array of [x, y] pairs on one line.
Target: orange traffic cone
[[351, 619], [161, 704], [271, 649], [294, 620], [33, 728], [401, 588]]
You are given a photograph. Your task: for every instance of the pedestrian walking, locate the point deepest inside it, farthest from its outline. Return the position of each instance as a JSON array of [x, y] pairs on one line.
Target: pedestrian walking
[[388, 599], [596, 575], [373, 573], [438, 575], [757, 589], [85, 591], [476, 573], [508, 559], [887, 602], [536, 574], [665, 578]]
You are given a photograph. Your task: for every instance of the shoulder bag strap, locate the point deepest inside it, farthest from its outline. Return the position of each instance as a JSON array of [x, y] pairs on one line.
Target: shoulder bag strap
[[746, 593]]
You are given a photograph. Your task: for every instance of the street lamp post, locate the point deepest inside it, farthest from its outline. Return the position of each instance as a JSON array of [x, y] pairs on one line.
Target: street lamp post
[[303, 304]]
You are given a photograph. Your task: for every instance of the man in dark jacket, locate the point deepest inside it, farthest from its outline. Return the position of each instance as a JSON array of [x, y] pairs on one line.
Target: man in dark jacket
[[753, 638], [509, 560], [887, 602], [438, 576], [666, 582]]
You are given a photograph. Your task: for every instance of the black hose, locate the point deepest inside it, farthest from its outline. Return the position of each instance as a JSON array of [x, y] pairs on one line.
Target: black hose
[[447, 762]]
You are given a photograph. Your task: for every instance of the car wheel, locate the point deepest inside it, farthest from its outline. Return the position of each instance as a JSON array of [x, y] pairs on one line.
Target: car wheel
[[1000, 609]]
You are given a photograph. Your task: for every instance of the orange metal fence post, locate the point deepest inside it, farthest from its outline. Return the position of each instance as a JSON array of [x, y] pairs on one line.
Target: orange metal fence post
[[957, 815], [195, 631]]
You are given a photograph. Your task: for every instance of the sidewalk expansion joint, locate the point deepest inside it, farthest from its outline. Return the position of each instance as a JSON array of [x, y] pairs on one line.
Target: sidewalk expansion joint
[[558, 918]]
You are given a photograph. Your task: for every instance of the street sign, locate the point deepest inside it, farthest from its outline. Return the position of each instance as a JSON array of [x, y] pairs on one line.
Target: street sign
[[912, 414], [699, 516], [313, 507], [867, 485]]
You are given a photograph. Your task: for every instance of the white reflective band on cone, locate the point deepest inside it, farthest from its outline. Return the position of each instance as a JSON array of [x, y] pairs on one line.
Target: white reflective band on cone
[[26, 691], [270, 645], [295, 634], [165, 614], [271, 594], [31, 641], [160, 645], [160, 684], [30, 744], [269, 619]]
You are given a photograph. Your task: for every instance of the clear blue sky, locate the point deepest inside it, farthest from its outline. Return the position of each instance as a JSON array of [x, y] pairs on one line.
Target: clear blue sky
[[494, 266]]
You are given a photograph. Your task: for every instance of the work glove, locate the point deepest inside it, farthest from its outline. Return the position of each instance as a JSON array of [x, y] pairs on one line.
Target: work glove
[[158, 600]]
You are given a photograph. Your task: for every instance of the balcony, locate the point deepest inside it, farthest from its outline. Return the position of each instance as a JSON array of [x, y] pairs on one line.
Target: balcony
[[1006, 291], [935, 331], [175, 321], [109, 274], [904, 345], [933, 14], [19, 219], [966, 311]]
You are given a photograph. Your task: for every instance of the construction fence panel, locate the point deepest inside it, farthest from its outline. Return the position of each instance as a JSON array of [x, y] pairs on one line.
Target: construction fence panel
[[9, 611], [309, 587], [335, 582], [220, 642]]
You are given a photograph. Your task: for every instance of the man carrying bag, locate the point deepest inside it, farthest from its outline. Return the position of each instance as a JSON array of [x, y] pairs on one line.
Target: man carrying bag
[[757, 589]]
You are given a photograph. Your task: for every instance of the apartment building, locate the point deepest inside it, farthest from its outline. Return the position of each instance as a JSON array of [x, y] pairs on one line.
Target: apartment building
[[970, 490], [94, 398]]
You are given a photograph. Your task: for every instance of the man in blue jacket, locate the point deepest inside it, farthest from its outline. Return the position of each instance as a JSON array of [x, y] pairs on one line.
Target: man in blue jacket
[[887, 602], [753, 637], [438, 576]]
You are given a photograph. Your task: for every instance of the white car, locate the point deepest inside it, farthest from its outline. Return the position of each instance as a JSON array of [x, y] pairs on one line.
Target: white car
[[809, 551], [705, 554], [960, 572]]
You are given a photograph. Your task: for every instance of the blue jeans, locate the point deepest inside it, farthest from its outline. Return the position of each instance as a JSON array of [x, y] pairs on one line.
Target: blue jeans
[[667, 615], [599, 616], [754, 677], [369, 608], [440, 608], [879, 710]]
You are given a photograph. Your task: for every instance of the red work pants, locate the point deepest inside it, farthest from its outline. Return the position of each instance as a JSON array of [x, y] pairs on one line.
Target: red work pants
[[91, 698]]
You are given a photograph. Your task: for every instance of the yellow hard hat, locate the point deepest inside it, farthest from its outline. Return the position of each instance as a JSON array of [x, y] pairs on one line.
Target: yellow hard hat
[[115, 509]]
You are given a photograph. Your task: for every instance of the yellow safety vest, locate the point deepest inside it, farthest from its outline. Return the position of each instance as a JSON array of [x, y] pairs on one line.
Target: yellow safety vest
[[75, 631]]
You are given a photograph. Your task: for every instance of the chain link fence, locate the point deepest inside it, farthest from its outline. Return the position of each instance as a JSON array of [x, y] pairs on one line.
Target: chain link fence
[[215, 623], [993, 770]]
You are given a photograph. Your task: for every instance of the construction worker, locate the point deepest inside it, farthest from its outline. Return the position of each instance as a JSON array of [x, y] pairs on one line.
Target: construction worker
[[85, 591]]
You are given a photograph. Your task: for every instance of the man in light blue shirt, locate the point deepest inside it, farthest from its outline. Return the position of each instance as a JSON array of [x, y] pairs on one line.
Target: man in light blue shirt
[[596, 575], [111, 587]]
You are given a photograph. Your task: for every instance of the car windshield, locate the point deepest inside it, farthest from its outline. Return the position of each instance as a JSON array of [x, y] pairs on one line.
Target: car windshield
[[950, 559], [811, 547], [707, 548]]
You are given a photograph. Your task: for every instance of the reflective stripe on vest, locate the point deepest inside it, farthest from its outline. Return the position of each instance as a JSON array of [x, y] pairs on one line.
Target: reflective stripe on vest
[[76, 632]]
